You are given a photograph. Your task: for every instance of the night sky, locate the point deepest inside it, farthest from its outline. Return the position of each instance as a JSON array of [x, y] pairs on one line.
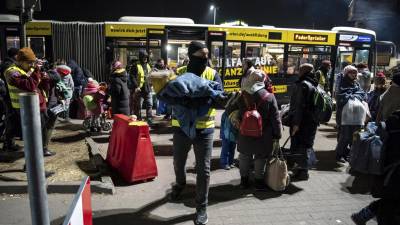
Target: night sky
[[318, 14]]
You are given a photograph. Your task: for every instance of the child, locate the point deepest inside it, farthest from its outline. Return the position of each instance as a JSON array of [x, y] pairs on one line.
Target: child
[[93, 98], [65, 74]]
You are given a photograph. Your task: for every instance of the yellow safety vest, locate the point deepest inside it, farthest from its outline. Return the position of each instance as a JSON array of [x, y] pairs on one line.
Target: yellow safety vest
[[207, 121], [141, 75], [12, 90]]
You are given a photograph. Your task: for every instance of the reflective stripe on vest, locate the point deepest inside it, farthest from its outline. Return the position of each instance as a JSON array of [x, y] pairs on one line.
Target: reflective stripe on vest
[[207, 121], [141, 75], [12, 90]]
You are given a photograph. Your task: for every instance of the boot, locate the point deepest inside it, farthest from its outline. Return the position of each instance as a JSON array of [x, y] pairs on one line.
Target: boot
[[300, 175], [244, 182], [362, 217], [176, 191], [201, 216], [47, 152]]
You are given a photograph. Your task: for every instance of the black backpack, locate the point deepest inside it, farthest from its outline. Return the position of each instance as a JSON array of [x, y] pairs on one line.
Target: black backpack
[[320, 104]]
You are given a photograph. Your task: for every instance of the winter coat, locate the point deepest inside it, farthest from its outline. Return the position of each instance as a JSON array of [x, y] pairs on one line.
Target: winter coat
[[373, 102], [272, 127], [300, 101], [390, 102], [119, 92], [77, 74], [191, 97], [69, 83], [348, 90], [4, 89]]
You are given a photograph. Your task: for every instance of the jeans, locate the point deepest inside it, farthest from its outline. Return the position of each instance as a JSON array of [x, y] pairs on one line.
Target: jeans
[[345, 139], [227, 152], [259, 165], [202, 145], [48, 129]]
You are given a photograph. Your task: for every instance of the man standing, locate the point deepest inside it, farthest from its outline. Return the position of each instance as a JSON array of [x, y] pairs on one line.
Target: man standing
[[303, 127], [140, 73], [202, 143], [322, 75], [21, 78]]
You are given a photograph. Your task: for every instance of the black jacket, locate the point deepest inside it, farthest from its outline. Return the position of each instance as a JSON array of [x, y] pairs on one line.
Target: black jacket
[[300, 101], [119, 92], [77, 73], [3, 86]]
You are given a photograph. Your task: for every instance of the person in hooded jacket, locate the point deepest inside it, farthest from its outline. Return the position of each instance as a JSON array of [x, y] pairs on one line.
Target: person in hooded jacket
[[374, 95], [119, 91], [390, 100], [78, 76], [303, 127], [65, 74], [254, 92]]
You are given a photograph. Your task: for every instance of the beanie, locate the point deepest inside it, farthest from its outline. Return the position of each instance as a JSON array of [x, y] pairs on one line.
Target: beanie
[[26, 54], [194, 46], [380, 78], [117, 65]]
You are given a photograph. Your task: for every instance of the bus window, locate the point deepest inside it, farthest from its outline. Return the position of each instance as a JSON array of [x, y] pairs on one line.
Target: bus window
[[253, 50], [177, 52], [344, 58], [233, 65], [12, 42], [272, 58], [362, 56], [299, 54], [37, 44], [216, 54]]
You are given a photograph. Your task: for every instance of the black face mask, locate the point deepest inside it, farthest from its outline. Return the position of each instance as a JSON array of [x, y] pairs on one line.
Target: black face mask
[[197, 65]]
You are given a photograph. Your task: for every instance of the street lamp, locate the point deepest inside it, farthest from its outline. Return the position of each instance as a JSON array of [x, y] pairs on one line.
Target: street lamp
[[214, 8]]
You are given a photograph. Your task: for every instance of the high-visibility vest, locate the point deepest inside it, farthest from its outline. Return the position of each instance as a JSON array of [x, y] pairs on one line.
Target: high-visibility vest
[[141, 75], [207, 121], [12, 90]]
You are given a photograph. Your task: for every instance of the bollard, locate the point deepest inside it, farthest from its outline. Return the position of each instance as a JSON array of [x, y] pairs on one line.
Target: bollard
[[33, 148]]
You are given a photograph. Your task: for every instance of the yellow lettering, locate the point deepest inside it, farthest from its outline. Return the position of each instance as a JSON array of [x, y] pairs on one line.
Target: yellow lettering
[[233, 71]]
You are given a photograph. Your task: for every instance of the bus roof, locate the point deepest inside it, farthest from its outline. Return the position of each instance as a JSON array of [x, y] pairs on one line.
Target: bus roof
[[354, 29], [152, 20], [9, 18]]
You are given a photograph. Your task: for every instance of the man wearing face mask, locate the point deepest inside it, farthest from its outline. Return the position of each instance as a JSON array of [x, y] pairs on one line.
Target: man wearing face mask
[[140, 74], [202, 143]]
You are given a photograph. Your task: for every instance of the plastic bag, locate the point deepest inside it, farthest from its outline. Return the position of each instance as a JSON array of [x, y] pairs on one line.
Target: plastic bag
[[354, 113]]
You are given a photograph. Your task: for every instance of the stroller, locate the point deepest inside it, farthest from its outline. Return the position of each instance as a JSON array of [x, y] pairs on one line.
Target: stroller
[[94, 101]]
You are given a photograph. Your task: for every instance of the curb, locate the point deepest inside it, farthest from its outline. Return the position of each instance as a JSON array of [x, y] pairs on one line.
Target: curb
[[20, 187], [99, 161]]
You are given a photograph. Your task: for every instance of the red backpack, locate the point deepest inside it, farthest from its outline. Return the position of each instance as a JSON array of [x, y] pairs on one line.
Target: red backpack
[[252, 124]]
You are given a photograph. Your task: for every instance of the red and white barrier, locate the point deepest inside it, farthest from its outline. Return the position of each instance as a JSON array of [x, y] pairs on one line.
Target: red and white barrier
[[80, 211]]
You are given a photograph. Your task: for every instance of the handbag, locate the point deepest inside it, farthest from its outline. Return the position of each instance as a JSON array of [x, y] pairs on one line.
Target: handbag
[[277, 176]]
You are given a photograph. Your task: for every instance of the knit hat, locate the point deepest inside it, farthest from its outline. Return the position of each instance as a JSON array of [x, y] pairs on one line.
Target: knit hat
[[63, 70], [194, 46], [349, 69], [117, 65], [380, 78], [254, 82], [26, 54]]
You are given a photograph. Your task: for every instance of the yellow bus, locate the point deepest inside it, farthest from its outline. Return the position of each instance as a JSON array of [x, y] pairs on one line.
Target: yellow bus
[[277, 51]]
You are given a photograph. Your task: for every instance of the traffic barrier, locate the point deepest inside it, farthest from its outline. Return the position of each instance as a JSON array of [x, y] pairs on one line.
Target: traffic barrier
[[80, 211], [130, 150]]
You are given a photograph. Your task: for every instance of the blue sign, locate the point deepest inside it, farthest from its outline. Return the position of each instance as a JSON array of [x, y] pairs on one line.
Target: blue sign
[[364, 38]]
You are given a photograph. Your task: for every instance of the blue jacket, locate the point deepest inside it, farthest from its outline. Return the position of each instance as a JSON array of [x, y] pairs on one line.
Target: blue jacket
[[190, 97]]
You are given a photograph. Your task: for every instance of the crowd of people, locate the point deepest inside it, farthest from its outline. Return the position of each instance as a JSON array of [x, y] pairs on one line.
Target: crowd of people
[[251, 121]]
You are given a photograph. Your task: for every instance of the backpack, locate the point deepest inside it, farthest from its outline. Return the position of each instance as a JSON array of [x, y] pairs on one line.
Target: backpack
[[251, 124], [321, 104]]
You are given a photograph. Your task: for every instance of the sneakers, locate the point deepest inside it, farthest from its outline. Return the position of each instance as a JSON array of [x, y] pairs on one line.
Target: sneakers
[[176, 191], [226, 167], [300, 175], [11, 148], [47, 152], [201, 217], [244, 182], [362, 217], [341, 159]]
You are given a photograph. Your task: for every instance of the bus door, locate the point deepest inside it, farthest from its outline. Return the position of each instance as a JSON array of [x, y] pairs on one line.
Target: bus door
[[156, 45], [179, 39], [216, 43]]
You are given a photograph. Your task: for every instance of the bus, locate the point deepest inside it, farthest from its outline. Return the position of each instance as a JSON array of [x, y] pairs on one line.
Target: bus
[[277, 51]]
